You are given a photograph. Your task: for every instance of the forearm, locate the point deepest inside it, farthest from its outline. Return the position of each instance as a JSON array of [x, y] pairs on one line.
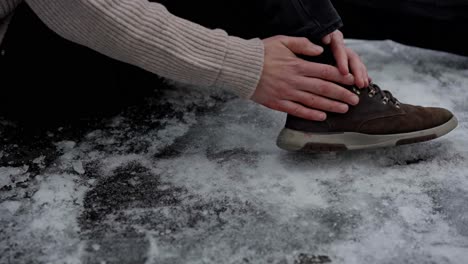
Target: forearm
[[146, 35]]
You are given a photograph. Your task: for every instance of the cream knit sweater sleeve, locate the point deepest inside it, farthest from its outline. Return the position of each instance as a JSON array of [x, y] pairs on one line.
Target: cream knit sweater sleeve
[[145, 34]]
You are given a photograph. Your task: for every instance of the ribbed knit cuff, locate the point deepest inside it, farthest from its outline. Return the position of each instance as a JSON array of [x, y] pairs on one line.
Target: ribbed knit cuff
[[242, 66], [6, 6]]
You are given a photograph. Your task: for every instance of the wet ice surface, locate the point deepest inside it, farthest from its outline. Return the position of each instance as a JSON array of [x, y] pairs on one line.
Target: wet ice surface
[[195, 177]]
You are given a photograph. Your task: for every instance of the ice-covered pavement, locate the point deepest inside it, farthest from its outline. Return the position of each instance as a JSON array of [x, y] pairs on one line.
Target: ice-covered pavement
[[195, 177]]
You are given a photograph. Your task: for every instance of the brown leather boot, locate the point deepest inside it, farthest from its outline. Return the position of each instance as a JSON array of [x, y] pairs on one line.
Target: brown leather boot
[[379, 120]]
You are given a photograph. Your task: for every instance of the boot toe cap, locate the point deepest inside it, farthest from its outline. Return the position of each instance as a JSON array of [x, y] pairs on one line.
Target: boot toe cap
[[439, 116]]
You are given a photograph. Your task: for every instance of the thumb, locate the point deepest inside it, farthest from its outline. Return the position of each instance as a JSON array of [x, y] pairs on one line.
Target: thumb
[[302, 46]]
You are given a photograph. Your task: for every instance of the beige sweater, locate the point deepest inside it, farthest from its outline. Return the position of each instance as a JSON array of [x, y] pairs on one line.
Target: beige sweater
[[145, 34]]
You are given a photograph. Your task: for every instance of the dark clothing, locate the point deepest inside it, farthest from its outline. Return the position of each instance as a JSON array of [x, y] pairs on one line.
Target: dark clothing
[[261, 18], [48, 77], [432, 24]]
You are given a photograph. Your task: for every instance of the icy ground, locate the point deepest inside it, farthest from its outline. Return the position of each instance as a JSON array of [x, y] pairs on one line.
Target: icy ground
[[194, 177]]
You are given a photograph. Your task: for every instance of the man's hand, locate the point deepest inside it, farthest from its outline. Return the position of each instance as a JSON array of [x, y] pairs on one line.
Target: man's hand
[[345, 56], [298, 87]]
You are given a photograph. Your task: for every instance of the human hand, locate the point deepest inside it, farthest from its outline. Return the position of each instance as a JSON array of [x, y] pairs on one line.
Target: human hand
[[347, 59], [299, 87]]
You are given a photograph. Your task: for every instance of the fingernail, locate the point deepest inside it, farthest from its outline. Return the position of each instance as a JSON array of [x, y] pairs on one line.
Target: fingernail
[[350, 77], [343, 108], [322, 116], [363, 84], [318, 49], [354, 100]]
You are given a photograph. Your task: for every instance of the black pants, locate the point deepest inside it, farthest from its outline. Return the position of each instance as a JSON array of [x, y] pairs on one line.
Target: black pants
[[433, 24], [45, 77], [261, 18]]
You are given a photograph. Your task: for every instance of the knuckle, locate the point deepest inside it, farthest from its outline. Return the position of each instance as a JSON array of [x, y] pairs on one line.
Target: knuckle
[[294, 81], [278, 90], [282, 38], [326, 106], [322, 88], [287, 92], [314, 116], [345, 95], [349, 79], [329, 107], [276, 38], [295, 110], [304, 40], [297, 66], [335, 107], [327, 72], [275, 105], [310, 100]]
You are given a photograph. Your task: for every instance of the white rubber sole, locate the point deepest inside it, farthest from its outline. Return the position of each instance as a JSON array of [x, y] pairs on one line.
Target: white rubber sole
[[293, 140]]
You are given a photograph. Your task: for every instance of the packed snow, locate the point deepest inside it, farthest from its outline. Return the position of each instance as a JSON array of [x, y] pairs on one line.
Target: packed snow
[[194, 176]]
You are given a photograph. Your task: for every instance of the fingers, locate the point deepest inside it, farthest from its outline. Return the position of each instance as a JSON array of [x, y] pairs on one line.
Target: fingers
[[346, 59], [328, 90], [299, 87], [358, 69], [318, 102], [326, 72], [298, 110], [339, 51], [366, 75], [301, 46]]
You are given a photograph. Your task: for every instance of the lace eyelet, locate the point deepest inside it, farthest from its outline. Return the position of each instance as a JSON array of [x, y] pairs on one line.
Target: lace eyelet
[[372, 93], [385, 100], [356, 91]]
